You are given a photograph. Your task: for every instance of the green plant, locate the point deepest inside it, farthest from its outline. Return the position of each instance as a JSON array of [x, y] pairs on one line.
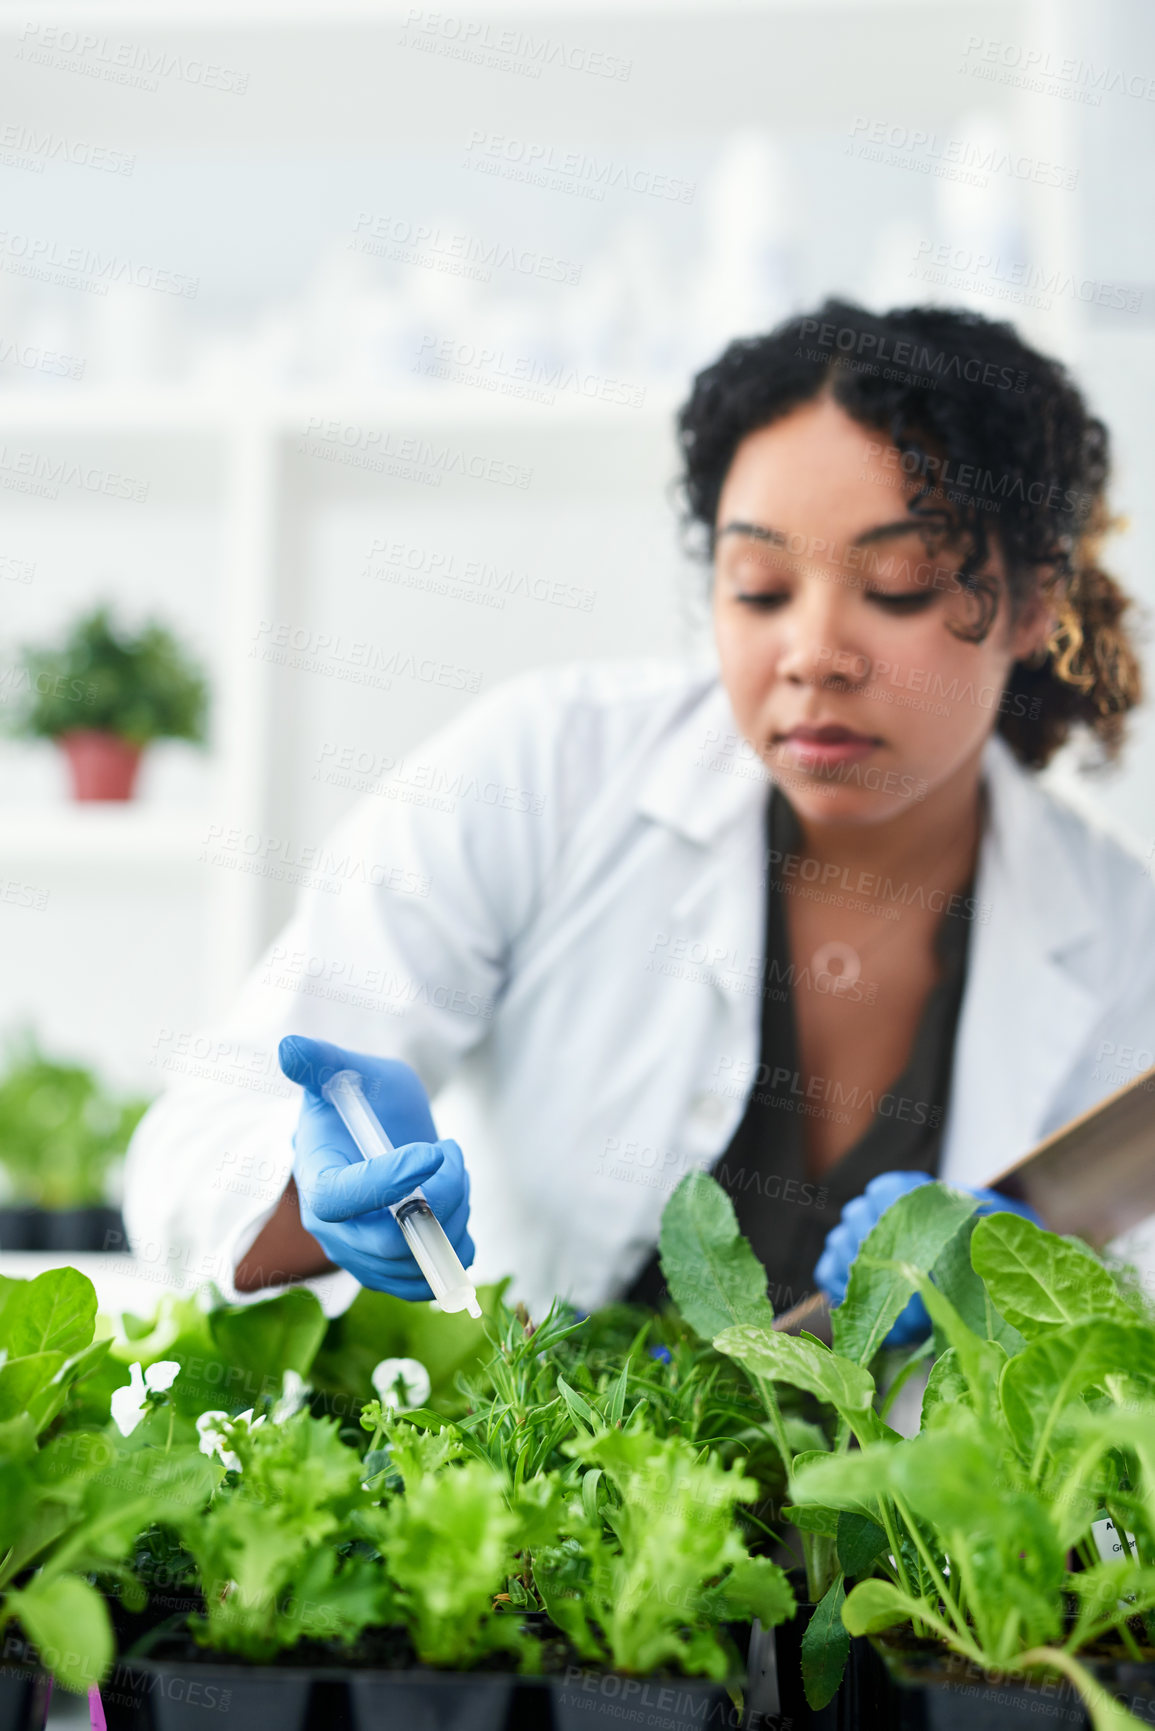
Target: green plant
[[72, 1500], [655, 1562], [61, 1130], [451, 1531], [276, 1549], [449, 1536], [141, 686], [1037, 1421]]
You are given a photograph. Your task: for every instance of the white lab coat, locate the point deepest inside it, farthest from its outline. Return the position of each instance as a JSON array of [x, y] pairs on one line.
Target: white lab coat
[[554, 911]]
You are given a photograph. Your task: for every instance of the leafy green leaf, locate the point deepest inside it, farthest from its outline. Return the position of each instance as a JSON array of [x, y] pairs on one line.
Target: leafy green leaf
[[1040, 1281], [617, 1402], [979, 1360], [825, 1646], [590, 1482], [954, 1275], [945, 1386], [875, 1605], [292, 1500], [450, 1544], [758, 1587], [68, 1622], [713, 1275], [1053, 1374], [56, 1312], [812, 1520], [860, 1541], [916, 1229], [803, 1364], [851, 1479], [1000, 1538], [675, 1534], [23, 1379], [267, 1339]]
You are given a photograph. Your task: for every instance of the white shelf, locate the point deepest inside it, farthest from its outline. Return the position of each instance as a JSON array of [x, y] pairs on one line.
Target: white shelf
[[321, 14], [114, 412], [288, 413], [121, 1282], [100, 831]]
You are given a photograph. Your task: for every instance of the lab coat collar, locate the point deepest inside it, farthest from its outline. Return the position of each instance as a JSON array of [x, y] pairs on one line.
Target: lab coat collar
[[705, 775], [1027, 1011], [1028, 855]]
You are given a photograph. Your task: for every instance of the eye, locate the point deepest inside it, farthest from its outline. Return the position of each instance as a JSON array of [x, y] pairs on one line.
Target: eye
[[908, 602], [762, 599]]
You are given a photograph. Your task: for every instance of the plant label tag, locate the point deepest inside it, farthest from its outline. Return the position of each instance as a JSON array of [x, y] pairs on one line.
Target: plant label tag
[[1107, 1541], [762, 1696]]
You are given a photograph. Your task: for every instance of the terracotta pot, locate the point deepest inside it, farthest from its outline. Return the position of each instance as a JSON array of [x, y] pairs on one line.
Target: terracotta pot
[[102, 765]]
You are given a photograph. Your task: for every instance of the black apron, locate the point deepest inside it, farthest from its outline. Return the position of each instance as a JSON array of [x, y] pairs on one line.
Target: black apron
[[784, 1212]]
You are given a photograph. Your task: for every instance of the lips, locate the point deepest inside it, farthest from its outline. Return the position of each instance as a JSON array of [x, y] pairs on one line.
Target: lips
[[825, 746], [828, 734]]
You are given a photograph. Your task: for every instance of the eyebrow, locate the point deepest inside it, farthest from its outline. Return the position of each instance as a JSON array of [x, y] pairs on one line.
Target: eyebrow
[[777, 538]]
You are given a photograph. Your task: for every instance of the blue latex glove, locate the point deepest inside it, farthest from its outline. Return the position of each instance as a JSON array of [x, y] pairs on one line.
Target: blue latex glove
[[860, 1215], [345, 1198]]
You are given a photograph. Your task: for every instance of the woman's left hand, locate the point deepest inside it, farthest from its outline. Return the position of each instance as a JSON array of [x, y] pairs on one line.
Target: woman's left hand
[[862, 1214]]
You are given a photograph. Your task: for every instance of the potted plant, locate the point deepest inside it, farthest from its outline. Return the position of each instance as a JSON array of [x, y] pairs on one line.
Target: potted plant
[[561, 1524], [568, 1540], [62, 1134], [971, 1553], [103, 694], [72, 1496]]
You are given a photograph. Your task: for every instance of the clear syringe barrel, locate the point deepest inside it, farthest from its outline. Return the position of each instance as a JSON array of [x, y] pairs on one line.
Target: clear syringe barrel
[[423, 1232]]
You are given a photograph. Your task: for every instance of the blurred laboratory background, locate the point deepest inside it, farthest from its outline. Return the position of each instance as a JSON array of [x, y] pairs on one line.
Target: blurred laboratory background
[[339, 351]]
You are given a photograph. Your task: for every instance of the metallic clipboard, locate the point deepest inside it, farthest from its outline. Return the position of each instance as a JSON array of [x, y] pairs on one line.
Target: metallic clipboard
[[1094, 1177]]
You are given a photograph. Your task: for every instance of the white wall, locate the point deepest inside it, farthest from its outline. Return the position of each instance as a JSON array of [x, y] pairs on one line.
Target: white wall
[[258, 197]]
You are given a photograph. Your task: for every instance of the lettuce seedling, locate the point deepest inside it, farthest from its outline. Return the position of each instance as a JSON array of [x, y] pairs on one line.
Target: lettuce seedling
[[650, 1573], [449, 1544], [276, 1551]]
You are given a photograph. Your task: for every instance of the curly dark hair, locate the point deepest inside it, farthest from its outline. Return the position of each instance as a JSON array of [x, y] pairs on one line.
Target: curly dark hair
[[990, 431]]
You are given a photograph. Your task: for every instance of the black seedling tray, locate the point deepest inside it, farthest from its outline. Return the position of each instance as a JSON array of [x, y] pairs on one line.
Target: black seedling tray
[[24, 1696], [942, 1692], [202, 1695]]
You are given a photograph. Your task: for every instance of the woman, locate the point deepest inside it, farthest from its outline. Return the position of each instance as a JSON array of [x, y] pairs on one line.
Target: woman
[[804, 917]]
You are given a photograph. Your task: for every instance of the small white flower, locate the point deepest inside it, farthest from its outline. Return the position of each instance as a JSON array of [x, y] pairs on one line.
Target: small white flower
[[214, 1436], [216, 1430], [294, 1395], [130, 1404], [412, 1376]]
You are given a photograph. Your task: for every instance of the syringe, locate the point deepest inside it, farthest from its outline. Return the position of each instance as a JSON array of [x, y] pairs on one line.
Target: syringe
[[423, 1232]]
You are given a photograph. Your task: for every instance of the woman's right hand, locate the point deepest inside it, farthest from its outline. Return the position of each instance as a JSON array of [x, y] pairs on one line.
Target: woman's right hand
[[344, 1198]]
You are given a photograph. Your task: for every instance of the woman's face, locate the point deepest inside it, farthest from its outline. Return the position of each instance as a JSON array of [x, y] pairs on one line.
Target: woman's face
[[831, 603]]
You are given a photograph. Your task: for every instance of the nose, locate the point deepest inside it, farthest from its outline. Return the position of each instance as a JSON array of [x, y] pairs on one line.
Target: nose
[[819, 646]]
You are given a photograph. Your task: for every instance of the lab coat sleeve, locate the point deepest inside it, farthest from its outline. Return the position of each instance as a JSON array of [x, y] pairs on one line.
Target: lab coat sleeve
[[399, 947]]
